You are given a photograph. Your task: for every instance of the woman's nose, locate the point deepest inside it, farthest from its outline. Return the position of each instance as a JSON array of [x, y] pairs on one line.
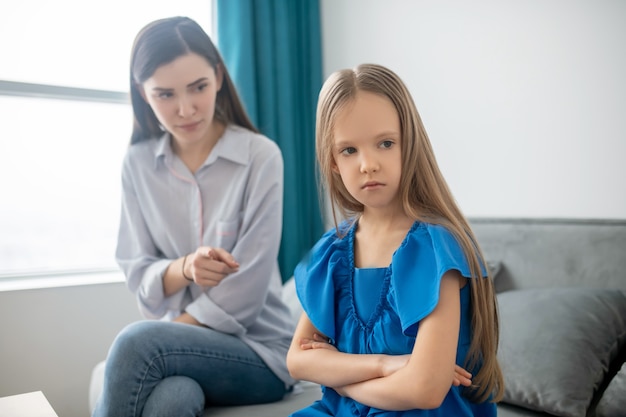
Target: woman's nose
[[186, 107]]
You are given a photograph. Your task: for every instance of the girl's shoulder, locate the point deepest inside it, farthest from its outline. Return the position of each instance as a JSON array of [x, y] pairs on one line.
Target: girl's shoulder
[[333, 243], [431, 239], [329, 258], [315, 276], [427, 253]]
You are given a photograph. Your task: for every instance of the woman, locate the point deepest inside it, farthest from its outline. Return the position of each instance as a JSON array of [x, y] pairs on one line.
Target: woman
[[198, 240]]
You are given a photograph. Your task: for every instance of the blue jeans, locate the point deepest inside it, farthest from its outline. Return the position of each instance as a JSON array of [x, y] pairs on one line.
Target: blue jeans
[[157, 368]]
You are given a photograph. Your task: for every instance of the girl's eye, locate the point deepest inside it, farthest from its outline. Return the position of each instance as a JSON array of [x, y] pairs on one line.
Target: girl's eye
[[348, 151], [386, 144], [201, 87]]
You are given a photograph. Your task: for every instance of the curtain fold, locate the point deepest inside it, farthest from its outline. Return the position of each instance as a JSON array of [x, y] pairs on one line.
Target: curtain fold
[[272, 49]]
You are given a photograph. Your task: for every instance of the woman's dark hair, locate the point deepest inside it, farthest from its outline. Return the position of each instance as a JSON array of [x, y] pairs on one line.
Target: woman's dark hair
[[161, 42]]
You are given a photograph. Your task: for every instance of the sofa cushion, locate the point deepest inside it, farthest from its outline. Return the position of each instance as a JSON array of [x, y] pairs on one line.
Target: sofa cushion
[[556, 345], [613, 401], [494, 267], [291, 299]]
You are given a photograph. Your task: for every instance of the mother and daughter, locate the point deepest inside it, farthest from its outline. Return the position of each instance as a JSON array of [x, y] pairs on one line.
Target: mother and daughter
[[397, 298]]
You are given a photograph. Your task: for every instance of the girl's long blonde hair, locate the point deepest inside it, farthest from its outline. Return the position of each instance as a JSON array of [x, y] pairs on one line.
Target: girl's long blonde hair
[[425, 197]]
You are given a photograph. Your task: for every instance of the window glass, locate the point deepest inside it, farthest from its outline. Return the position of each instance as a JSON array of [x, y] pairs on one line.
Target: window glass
[[61, 170], [61, 183], [80, 43]]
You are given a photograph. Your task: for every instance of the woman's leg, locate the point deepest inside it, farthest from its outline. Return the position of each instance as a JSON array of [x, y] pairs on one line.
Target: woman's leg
[[147, 352], [175, 396]]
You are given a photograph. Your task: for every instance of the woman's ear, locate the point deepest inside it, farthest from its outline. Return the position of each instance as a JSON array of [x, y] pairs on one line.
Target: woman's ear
[[219, 76], [141, 91]]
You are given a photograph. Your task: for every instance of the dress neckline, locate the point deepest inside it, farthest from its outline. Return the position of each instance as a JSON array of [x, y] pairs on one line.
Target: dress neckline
[[384, 288]]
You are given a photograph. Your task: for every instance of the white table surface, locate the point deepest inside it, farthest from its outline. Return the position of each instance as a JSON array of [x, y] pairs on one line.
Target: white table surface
[[32, 404]]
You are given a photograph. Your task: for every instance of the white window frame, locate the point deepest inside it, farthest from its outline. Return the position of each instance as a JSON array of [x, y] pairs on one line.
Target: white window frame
[[41, 276]]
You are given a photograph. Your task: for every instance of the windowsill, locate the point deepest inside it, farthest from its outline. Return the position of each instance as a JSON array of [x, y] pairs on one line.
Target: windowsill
[[57, 281]]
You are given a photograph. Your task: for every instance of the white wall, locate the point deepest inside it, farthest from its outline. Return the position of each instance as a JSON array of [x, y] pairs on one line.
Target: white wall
[[51, 338], [524, 101]]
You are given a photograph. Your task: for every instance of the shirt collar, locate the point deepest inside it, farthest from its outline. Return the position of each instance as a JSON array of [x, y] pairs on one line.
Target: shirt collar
[[230, 146], [163, 147]]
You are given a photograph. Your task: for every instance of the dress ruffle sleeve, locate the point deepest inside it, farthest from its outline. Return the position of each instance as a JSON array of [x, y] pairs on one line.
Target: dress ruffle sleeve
[[315, 279], [426, 254]]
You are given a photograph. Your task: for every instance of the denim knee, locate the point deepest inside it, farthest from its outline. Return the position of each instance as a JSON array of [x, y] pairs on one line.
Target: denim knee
[[175, 396], [135, 336]]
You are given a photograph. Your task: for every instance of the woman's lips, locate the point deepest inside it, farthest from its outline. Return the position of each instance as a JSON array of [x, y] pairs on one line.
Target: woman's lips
[[189, 127]]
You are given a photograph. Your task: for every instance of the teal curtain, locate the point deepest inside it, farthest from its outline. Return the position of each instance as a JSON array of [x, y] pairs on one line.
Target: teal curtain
[[272, 49]]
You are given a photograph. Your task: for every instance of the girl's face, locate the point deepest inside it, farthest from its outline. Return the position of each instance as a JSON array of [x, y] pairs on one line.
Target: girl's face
[[182, 95], [366, 150]]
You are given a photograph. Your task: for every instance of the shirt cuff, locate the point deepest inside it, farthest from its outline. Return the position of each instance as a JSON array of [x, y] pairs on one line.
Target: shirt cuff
[[152, 300]]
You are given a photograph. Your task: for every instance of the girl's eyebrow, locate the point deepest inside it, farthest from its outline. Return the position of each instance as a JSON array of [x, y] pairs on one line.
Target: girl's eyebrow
[[387, 133], [379, 135], [198, 81]]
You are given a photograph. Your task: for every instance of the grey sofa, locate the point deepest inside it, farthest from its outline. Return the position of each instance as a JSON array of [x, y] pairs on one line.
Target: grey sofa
[[562, 301], [562, 298]]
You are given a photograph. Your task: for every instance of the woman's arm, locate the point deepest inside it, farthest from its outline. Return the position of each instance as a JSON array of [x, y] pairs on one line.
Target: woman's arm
[[236, 302], [425, 380], [136, 253], [206, 267]]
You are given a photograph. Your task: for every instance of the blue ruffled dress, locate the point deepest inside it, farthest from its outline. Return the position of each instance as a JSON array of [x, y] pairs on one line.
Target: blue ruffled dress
[[409, 292]]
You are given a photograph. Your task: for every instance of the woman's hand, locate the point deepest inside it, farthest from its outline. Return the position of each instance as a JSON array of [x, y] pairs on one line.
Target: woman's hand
[[208, 266], [187, 319]]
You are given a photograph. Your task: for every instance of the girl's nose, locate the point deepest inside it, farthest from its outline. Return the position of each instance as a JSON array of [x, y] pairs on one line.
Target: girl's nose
[[369, 163]]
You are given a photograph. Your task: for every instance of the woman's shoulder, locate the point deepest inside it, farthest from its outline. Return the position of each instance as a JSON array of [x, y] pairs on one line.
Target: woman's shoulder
[[143, 152], [258, 143]]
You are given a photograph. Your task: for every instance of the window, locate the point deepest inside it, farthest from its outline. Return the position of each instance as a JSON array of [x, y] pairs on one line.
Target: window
[[66, 124]]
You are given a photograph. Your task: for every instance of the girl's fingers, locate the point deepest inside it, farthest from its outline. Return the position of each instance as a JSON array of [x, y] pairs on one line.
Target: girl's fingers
[[320, 338], [462, 371]]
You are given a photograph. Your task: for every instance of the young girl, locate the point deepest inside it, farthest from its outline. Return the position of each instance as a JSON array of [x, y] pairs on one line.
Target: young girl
[[398, 295], [198, 240]]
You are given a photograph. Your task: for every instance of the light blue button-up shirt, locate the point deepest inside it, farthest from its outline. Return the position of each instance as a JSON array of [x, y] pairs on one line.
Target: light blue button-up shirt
[[233, 201]]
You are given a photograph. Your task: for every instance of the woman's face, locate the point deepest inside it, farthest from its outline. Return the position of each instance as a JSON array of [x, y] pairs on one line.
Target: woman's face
[[182, 95]]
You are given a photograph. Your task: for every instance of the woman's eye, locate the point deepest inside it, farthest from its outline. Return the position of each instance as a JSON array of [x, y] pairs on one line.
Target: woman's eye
[[348, 151], [201, 87], [386, 144], [164, 95]]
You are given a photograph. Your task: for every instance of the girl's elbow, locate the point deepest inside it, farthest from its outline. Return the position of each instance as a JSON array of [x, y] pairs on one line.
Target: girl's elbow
[[428, 397], [432, 402], [424, 402], [293, 365]]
